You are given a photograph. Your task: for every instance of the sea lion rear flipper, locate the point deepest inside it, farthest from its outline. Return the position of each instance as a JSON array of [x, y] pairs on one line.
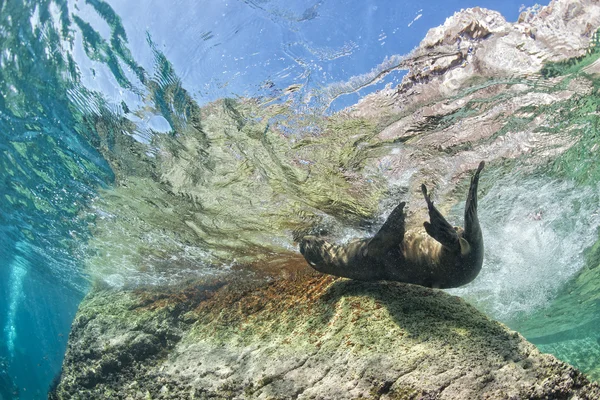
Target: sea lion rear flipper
[[439, 228], [472, 228], [390, 234]]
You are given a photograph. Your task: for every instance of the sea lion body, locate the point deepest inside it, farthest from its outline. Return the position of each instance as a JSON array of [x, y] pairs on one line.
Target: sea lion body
[[440, 256]]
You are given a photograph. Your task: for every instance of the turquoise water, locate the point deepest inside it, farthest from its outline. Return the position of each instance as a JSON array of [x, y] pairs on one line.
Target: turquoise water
[[99, 111]]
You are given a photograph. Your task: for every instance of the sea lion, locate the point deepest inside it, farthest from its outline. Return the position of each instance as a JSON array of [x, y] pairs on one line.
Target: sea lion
[[442, 256]]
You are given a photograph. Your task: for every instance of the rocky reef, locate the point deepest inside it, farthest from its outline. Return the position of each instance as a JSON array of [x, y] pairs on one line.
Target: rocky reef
[[307, 337], [520, 95]]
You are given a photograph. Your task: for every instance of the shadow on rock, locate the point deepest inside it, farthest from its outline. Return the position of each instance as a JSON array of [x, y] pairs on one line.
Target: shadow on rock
[[430, 315]]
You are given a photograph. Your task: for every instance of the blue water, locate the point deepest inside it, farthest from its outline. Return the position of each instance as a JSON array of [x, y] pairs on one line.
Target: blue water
[[65, 63]]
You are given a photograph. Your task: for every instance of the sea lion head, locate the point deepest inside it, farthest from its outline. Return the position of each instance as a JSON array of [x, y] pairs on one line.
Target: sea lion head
[[348, 261], [313, 250]]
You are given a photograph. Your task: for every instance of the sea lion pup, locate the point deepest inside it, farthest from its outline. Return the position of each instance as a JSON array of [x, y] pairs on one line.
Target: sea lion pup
[[441, 257]]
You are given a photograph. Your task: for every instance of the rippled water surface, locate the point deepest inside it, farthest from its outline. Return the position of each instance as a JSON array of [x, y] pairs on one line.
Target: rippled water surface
[[151, 145]]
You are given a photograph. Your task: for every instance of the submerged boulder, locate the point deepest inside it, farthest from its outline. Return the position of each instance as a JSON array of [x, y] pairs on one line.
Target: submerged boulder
[[309, 336]]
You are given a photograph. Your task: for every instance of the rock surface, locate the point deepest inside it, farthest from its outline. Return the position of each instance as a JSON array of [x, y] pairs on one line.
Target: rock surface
[[307, 337]]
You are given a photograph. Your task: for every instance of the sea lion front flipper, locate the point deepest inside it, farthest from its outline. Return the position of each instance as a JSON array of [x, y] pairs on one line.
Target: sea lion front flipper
[[390, 234], [472, 229], [439, 228]]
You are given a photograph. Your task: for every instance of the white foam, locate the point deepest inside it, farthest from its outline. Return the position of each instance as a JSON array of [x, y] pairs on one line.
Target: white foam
[[535, 232]]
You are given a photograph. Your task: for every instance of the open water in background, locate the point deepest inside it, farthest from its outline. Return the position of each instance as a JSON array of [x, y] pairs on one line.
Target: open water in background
[[88, 89]]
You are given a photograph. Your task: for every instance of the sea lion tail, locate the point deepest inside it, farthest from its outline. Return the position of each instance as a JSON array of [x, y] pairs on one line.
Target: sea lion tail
[[439, 228], [472, 228], [391, 233]]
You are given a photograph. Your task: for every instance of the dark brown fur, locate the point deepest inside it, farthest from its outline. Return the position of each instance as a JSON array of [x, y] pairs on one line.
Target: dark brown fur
[[441, 256]]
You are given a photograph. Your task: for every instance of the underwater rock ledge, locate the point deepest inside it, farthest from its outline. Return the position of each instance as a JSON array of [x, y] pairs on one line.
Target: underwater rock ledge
[[309, 337]]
